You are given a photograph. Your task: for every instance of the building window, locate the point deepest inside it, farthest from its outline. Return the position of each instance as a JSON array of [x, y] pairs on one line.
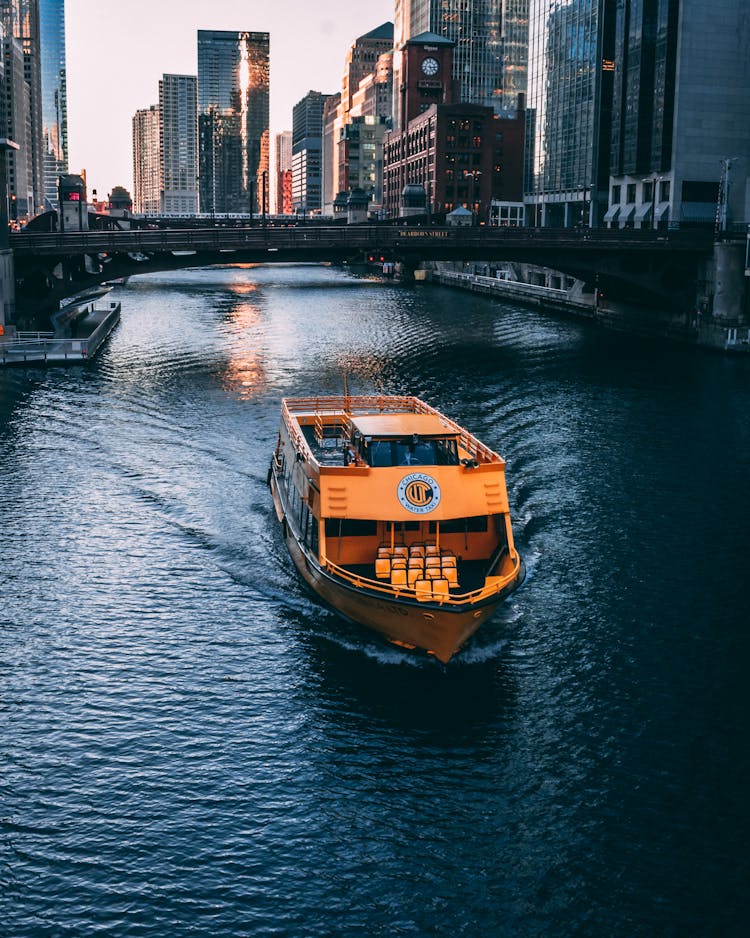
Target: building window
[[631, 193], [665, 191], [616, 194]]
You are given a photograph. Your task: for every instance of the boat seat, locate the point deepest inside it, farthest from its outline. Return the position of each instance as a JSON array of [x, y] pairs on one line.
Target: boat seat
[[448, 560], [440, 588], [416, 550], [401, 551], [382, 567], [414, 573], [432, 562], [384, 551], [398, 575], [431, 550], [424, 590], [451, 575], [433, 573]]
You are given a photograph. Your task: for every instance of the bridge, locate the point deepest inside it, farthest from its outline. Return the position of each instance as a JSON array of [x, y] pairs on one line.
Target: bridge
[[653, 268]]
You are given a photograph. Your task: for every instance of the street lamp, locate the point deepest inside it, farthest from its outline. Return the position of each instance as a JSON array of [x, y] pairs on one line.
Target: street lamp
[[473, 173]]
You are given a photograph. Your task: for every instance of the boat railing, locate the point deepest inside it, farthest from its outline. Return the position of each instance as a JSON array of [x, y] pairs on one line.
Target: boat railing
[[352, 405], [451, 599]]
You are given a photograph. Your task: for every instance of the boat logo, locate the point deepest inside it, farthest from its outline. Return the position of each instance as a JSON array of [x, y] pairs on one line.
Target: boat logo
[[419, 493]]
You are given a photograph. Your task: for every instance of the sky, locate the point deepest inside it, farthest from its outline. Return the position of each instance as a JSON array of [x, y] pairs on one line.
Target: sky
[[117, 50]]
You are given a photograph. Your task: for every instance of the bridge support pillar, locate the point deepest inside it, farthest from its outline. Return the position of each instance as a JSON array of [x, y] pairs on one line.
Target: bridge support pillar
[[729, 281], [7, 290]]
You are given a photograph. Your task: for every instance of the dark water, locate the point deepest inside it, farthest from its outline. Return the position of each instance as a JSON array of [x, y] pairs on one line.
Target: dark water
[[191, 746]]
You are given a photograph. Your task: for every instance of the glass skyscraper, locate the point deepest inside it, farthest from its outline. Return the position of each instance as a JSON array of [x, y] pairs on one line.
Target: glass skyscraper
[[233, 118], [489, 58], [54, 96], [568, 116]]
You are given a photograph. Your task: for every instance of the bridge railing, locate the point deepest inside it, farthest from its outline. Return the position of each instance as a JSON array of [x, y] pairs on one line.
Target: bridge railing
[[352, 238]]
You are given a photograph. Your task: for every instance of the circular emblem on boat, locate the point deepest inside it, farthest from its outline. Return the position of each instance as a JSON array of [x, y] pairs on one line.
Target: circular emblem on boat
[[419, 493]]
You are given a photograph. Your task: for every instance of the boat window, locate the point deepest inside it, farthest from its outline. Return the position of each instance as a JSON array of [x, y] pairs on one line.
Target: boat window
[[350, 527], [411, 451], [476, 524]]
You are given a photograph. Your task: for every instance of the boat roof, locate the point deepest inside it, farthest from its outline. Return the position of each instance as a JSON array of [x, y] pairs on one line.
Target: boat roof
[[381, 425]]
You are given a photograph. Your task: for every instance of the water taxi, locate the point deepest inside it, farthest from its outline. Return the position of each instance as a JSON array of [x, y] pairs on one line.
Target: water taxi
[[395, 516]]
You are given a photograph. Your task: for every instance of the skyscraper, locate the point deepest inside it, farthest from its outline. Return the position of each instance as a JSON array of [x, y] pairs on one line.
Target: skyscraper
[[54, 97], [307, 141], [568, 116], [283, 167], [490, 39], [680, 146], [146, 161], [20, 20], [233, 118], [178, 144]]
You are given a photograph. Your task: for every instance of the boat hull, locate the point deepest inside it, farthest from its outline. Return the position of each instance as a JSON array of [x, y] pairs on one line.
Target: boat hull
[[439, 629]]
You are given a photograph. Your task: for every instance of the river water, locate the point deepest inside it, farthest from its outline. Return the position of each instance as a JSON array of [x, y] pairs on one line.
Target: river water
[[191, 745]]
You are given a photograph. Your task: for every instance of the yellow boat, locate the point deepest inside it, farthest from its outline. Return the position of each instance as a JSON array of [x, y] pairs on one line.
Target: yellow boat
[[395, 516]]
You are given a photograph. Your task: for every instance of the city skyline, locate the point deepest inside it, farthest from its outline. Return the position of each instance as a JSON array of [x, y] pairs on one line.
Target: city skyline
[[103, 99]]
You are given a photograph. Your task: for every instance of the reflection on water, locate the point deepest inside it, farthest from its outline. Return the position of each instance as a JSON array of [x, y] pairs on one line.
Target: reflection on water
[[191, 742]]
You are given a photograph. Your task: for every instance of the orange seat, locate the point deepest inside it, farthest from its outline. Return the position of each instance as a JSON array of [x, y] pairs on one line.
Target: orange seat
[[384, 551], [416, 550], [439, 588], [424, 590], [451, 575], [431, 550], [398, 576], [401, 551], [432, 563], [433, 573], [414, 573], [382, 567], [448, 560]]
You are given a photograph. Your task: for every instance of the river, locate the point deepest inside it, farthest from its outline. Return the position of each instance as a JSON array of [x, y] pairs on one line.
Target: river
[[191, 745]]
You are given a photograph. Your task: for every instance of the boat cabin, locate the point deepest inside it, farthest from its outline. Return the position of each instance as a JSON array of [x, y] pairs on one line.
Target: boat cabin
[[403, 440]]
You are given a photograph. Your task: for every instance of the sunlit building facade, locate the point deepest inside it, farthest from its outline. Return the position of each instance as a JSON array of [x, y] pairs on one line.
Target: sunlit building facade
[[178, 144], [569, 110], [490, 39], [233, 120], [283, 173], [146, 161]]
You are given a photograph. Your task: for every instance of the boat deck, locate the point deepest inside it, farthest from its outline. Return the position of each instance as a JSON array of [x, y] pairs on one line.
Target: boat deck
[[328, 452], [471, 574]]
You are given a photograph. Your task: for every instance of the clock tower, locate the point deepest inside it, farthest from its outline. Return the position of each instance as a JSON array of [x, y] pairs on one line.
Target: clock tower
[[424, 76]]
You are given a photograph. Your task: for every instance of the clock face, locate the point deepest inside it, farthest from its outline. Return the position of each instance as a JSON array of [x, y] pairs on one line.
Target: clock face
[[430, 66]]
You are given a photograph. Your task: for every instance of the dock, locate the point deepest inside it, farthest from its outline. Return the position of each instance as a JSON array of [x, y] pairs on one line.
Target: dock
[[93, 324]]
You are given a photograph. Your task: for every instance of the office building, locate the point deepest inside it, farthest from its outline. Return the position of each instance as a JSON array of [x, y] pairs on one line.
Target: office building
[[680, 143], [490, 54], [456, 155], [20, 21], [54, 97], [282, 204], [362, 59], [329, 151], [307, 142], [17, 107], [568, 117], [233, 117], [178, 144], [146, 162]]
